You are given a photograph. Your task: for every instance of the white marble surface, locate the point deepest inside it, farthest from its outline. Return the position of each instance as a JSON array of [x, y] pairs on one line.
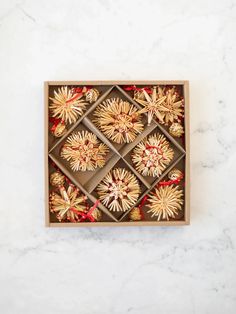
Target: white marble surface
[[187, 270]]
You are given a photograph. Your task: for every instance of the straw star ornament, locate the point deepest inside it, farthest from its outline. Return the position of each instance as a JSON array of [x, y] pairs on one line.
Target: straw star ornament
[[67, 105], [119, 190], [84, 151], [163, 103], [152, 155], [118, 120], [172, 108], [165, 202], [69, 204], [152, 103]]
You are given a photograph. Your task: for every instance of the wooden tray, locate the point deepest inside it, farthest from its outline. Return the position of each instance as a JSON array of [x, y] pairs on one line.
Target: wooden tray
[[119, 155]]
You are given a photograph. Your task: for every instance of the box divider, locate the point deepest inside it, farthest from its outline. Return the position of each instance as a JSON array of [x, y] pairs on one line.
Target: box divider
[[95, 180], [137, 174], [100, 99], [90, 196], [128, 147], [152, 186], [130, 98], [89, 124], [167, 170], [167, 134]]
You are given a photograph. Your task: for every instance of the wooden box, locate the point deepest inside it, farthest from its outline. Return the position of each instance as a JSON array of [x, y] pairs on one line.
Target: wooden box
[[119, 154]]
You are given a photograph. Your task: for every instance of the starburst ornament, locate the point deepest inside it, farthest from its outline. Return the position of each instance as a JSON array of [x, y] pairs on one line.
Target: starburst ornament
[[84, 151], [164, 104], [118, 120], [152, 155], [152, 103], [165, 202], [69, 204], [119, 190], [67, 105], [172, 108]]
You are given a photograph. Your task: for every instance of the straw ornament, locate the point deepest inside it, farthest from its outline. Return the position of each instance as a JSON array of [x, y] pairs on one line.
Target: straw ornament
[[57, 179], [119, 190], [152, 155], [69, 204], [97, 214], [92, 95], [118, 120], [172, 108], [164, 104], [59, 130], [135, 214], [84, 151], [165, 202], [139, 94], [176, 129], [67, 105], [152, 103], [175, 174]]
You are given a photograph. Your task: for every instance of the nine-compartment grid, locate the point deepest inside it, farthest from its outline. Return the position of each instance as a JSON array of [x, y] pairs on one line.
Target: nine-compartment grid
[[119, 154]]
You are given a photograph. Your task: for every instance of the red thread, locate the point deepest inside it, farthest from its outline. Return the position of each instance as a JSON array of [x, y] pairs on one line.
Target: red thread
[[78, 212], [165, 183], [81, 90], [55, 122], [143, 201], [89, 214], [134, 88], [74, 98]]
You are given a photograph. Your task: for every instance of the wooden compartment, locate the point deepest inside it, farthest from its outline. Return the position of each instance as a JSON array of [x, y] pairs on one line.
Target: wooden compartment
[[119, 154]]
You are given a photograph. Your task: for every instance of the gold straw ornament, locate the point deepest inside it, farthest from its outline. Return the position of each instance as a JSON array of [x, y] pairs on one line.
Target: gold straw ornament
[[165, 202], [175, 174], [68, 204], [57, 179], [135, 214], [119, 190], [67, 105], [152, 155], [118, 120], [91, 95], [172, 108], [84, 151], [163, 103], [152, 103], [176, 129]]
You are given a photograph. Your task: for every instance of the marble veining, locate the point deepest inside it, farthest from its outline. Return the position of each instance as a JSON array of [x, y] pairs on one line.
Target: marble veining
[[187, 270]]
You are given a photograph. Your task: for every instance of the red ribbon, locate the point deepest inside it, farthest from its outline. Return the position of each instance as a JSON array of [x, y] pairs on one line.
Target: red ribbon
[[165, 183], [55, 122], [76, 90], [143, 201], [79, 213], [77, 95], [89, 213], [134, 88]]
